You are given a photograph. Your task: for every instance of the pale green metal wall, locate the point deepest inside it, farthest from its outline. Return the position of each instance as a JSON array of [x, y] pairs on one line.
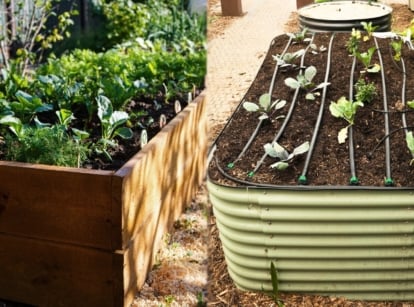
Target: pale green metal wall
[[357, 243]]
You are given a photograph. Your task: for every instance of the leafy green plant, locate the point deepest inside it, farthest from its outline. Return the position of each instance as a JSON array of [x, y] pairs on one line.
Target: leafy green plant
[[288, 58], [354, 41], [265, 106], [369, 29], [365, 90], [111, 126], [46, 145], [275, 285], [345, 109], [305, 81], [276, 150], [366, 59], [299, 37]]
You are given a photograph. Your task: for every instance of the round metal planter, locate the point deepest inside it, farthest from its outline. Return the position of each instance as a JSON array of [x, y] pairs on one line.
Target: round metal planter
[[343, 16]]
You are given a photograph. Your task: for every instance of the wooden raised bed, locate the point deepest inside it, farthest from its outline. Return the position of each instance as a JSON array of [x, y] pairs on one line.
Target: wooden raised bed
[[77, 237]]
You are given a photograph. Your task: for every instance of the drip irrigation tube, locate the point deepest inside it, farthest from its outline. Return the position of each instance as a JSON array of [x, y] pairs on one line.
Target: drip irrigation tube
[[261, 120], [388, 179], [354, 179], [302, 178], [289, 114]]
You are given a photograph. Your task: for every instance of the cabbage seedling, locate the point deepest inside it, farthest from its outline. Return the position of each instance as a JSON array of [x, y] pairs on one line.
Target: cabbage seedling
[[265, 106], [304, 81], [345, 109], [276, 150]]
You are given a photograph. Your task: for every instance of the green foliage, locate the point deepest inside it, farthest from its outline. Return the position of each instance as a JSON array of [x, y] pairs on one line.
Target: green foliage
[[111, 126], [275, 285], [46, 145], [345, 109], [305, 81], [26, 37], [288, 58], [265, 106], [276, 150], [366, 59], [365, 91]]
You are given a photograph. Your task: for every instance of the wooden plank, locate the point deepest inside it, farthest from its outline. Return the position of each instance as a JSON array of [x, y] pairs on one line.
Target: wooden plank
[[46, 274], [173, 166], [57, 204]]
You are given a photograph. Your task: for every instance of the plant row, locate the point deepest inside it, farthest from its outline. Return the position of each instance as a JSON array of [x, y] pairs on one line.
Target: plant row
[[71, 109]]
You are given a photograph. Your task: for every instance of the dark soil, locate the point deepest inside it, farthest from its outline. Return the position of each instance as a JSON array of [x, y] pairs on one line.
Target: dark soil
[[330, 161]]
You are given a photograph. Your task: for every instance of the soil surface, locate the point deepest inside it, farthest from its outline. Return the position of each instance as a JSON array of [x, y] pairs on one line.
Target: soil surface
[[378, 142]]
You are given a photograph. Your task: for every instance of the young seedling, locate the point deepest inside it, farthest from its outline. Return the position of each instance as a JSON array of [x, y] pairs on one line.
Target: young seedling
[[299, 36], [345, 109], [111, 125], [366, 59], [287, 59], [365, 90], [354, 41], [276, 150], [369, 29], [265, 106], [304, 81]]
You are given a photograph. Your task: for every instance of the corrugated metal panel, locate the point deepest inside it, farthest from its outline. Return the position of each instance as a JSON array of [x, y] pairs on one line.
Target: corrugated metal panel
[[357, 243]]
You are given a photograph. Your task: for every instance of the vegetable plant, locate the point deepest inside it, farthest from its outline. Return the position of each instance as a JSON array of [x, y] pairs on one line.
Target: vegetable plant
[[345, 109], [365, 90], [366, 59], [276, 150], [265, 106], [288, 58], [112, 125], [305, 81]]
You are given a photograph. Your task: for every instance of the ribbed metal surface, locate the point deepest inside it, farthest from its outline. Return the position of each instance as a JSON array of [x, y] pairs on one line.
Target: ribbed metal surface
[[357, 243], [343, 16]]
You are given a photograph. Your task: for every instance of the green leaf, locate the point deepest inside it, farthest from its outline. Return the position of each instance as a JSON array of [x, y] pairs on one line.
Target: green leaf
[[250, 106], [118, 118], [292, 83], [264, 101], [310, 96], [310, 73], [280, 165], [410, 141], [301, 149], [374, 68], [124, 132], [410, 104], [278, 104]]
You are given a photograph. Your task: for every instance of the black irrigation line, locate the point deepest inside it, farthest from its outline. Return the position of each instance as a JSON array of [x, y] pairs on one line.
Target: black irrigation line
[[302, 177], [289, 114], [354, 179], [259, 125], [388, 179]]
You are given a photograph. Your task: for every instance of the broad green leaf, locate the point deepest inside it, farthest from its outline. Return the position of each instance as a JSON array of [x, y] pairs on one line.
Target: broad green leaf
[[301, 149], [80, 134], [118, 118], [410, 104], [124, 132], [342, 135], [410, 141], [250, 106], [278, 104], [281, 152], [310, 73], [292, 83], [264, 101], [280, 165], [104, 107], [335, 109]]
